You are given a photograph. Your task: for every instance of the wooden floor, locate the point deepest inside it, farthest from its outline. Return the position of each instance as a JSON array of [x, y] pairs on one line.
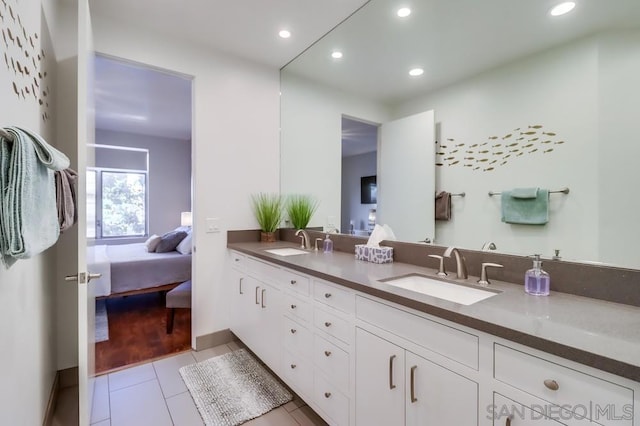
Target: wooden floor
[[137, 332]]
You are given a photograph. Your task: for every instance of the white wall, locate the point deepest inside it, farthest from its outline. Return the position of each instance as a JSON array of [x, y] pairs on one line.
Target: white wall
[[311, 120], [27, 290], [353, 168], [557, 89], [235, 148], [169, 176]]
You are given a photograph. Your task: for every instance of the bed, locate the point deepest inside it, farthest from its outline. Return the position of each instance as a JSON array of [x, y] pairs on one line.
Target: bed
[[130, 269]]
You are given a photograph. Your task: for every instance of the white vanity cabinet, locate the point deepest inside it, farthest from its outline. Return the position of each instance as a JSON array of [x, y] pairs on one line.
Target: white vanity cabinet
[[256, 307]]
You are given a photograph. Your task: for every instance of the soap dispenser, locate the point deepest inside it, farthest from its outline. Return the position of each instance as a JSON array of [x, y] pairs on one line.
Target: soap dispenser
[[327, 245], [536, 281]]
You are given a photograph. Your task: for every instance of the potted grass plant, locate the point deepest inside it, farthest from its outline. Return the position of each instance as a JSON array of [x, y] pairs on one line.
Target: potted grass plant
[[267, 209], [300, 208]]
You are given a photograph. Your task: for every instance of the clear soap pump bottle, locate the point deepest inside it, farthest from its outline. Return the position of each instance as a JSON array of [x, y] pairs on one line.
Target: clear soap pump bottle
[[536, 281], [327, 245]]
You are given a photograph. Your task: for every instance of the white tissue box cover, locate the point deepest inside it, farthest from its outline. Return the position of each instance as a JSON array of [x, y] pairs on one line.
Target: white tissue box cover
[[374, 254]]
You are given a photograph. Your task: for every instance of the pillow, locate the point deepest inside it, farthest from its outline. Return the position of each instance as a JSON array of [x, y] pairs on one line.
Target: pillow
[[152, 243], [169, 241], [186, 229], [185, 245]]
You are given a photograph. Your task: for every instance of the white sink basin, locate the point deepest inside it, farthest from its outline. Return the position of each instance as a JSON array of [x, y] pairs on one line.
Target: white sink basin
[[458, 293], [286, 251]]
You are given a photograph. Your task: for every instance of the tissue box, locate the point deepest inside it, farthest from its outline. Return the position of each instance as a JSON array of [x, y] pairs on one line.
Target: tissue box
[[374, 254]]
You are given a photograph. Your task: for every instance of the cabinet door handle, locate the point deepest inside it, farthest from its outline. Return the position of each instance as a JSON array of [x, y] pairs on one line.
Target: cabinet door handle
[[257, 302], [262, 298], [327, 295], [327, 324], [293, 306], [507, 422], [413, 384], [293, 331], [327, 394], [327, 353], [391, 385], [293, 366], [293, 282], [551, 384], [240, 285]]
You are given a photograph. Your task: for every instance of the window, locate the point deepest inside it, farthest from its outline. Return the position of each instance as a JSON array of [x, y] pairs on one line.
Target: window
[[116, 197]]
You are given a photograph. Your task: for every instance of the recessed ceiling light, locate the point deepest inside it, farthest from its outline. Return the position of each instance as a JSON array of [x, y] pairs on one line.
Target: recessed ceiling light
[[284, 34], [563, 8], [416, 72], [403, 12], [336, 54]]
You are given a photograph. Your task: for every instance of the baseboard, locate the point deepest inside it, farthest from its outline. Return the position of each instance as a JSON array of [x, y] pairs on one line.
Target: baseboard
[[53, 399], [214, 339]]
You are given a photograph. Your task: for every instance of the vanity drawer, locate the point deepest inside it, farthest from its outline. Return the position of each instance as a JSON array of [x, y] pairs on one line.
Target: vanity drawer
[[263, 271], [332, 324], [297, 339], [238, 261], [334, 296], [298, 373], [331, 400], [299, 308], [508, 412], [295, 282], [333, 361], [562, 386], [450, 342]]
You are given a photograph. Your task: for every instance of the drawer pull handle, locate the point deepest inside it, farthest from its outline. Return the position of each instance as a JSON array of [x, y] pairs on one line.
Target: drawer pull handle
[[551, 384], [257, 302], [391, 385], [293, 282], [293, 306], [327, 353], [508, 421], [293, 366], [413, 384], [241, 285], [327, 295], [327, 324], [237, 260], [262, 299], [293, 331], [327, 394]]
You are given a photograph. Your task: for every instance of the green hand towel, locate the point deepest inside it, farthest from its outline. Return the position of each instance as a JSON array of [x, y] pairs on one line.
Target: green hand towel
[[530, 210]]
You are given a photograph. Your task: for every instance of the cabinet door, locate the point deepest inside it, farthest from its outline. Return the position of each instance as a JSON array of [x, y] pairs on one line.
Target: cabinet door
[[246, 305], [268, 327], [237, 287], [380, 383], [437, 396]]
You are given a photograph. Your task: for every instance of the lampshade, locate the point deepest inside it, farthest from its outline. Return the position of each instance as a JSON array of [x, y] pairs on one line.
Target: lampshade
[[185, 219]]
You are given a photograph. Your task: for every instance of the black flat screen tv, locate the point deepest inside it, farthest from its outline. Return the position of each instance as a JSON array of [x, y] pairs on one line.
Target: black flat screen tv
[[368, 190]]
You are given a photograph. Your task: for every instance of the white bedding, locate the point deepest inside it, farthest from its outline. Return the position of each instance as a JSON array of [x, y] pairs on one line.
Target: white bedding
[[130, 267]]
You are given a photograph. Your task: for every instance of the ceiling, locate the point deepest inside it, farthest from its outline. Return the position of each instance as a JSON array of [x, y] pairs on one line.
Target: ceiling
[[358, 137], [134, 99], [451, 39]]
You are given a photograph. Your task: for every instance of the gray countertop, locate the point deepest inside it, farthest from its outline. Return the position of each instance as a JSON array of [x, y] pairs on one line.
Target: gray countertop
[[593, 332]]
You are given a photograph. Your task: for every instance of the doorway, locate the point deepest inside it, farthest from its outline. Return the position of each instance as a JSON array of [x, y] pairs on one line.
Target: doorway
[[359, 176], [139, 206]]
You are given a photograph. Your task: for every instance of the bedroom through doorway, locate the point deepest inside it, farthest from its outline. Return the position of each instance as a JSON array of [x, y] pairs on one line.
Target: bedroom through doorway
[[139, 204]]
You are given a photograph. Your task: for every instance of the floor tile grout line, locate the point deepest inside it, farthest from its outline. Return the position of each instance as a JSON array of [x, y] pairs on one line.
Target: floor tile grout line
[[135, 384]]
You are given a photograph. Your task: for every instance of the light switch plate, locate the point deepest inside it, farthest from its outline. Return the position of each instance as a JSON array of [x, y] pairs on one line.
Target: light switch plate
[[213, 225]]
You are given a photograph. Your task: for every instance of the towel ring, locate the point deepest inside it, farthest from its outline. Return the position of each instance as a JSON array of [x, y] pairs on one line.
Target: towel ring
[[6, 135]]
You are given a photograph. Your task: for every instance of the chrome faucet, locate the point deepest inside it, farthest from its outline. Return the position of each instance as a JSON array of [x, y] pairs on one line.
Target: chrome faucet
[[488, 246], [306, 241], [461, 265]]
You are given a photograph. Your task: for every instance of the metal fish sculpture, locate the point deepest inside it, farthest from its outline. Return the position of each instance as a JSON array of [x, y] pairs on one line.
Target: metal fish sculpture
[[454, 163], [482, 160], [443, 146], [468, 165], [449, 158], [528, 133], [497, 145], [548, 150], [548, 133], [498, 152], [513, 144], [493, 162], [519, 139], [474, 145], [533, 150], [439, 164], [493, 137], [485, 151], [488, 169], [476, 168], [450, 140], [528, 145], [533, 140], [507, 136], [519, 154], [537, 126], [469, 158], [503, 163], [460, 144], [559, 143], [547, 141]]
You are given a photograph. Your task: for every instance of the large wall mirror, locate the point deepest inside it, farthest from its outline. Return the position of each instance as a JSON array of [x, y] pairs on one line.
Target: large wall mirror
[[520, 98]]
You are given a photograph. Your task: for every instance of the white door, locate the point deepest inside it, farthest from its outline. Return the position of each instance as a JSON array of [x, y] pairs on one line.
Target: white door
[[86, 136], [379, 381], [437, 396], [406, 176]]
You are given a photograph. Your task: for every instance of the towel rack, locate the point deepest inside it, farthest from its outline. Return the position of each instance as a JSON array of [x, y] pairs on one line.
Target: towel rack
[[6, 134], [563, 191], [462, 194]]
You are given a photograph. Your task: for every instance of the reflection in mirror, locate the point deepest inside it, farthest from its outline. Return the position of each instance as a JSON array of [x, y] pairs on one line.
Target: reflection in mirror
[[520, 98]]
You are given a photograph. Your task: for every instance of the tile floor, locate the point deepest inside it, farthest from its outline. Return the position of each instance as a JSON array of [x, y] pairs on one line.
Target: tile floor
[[154, 394]]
